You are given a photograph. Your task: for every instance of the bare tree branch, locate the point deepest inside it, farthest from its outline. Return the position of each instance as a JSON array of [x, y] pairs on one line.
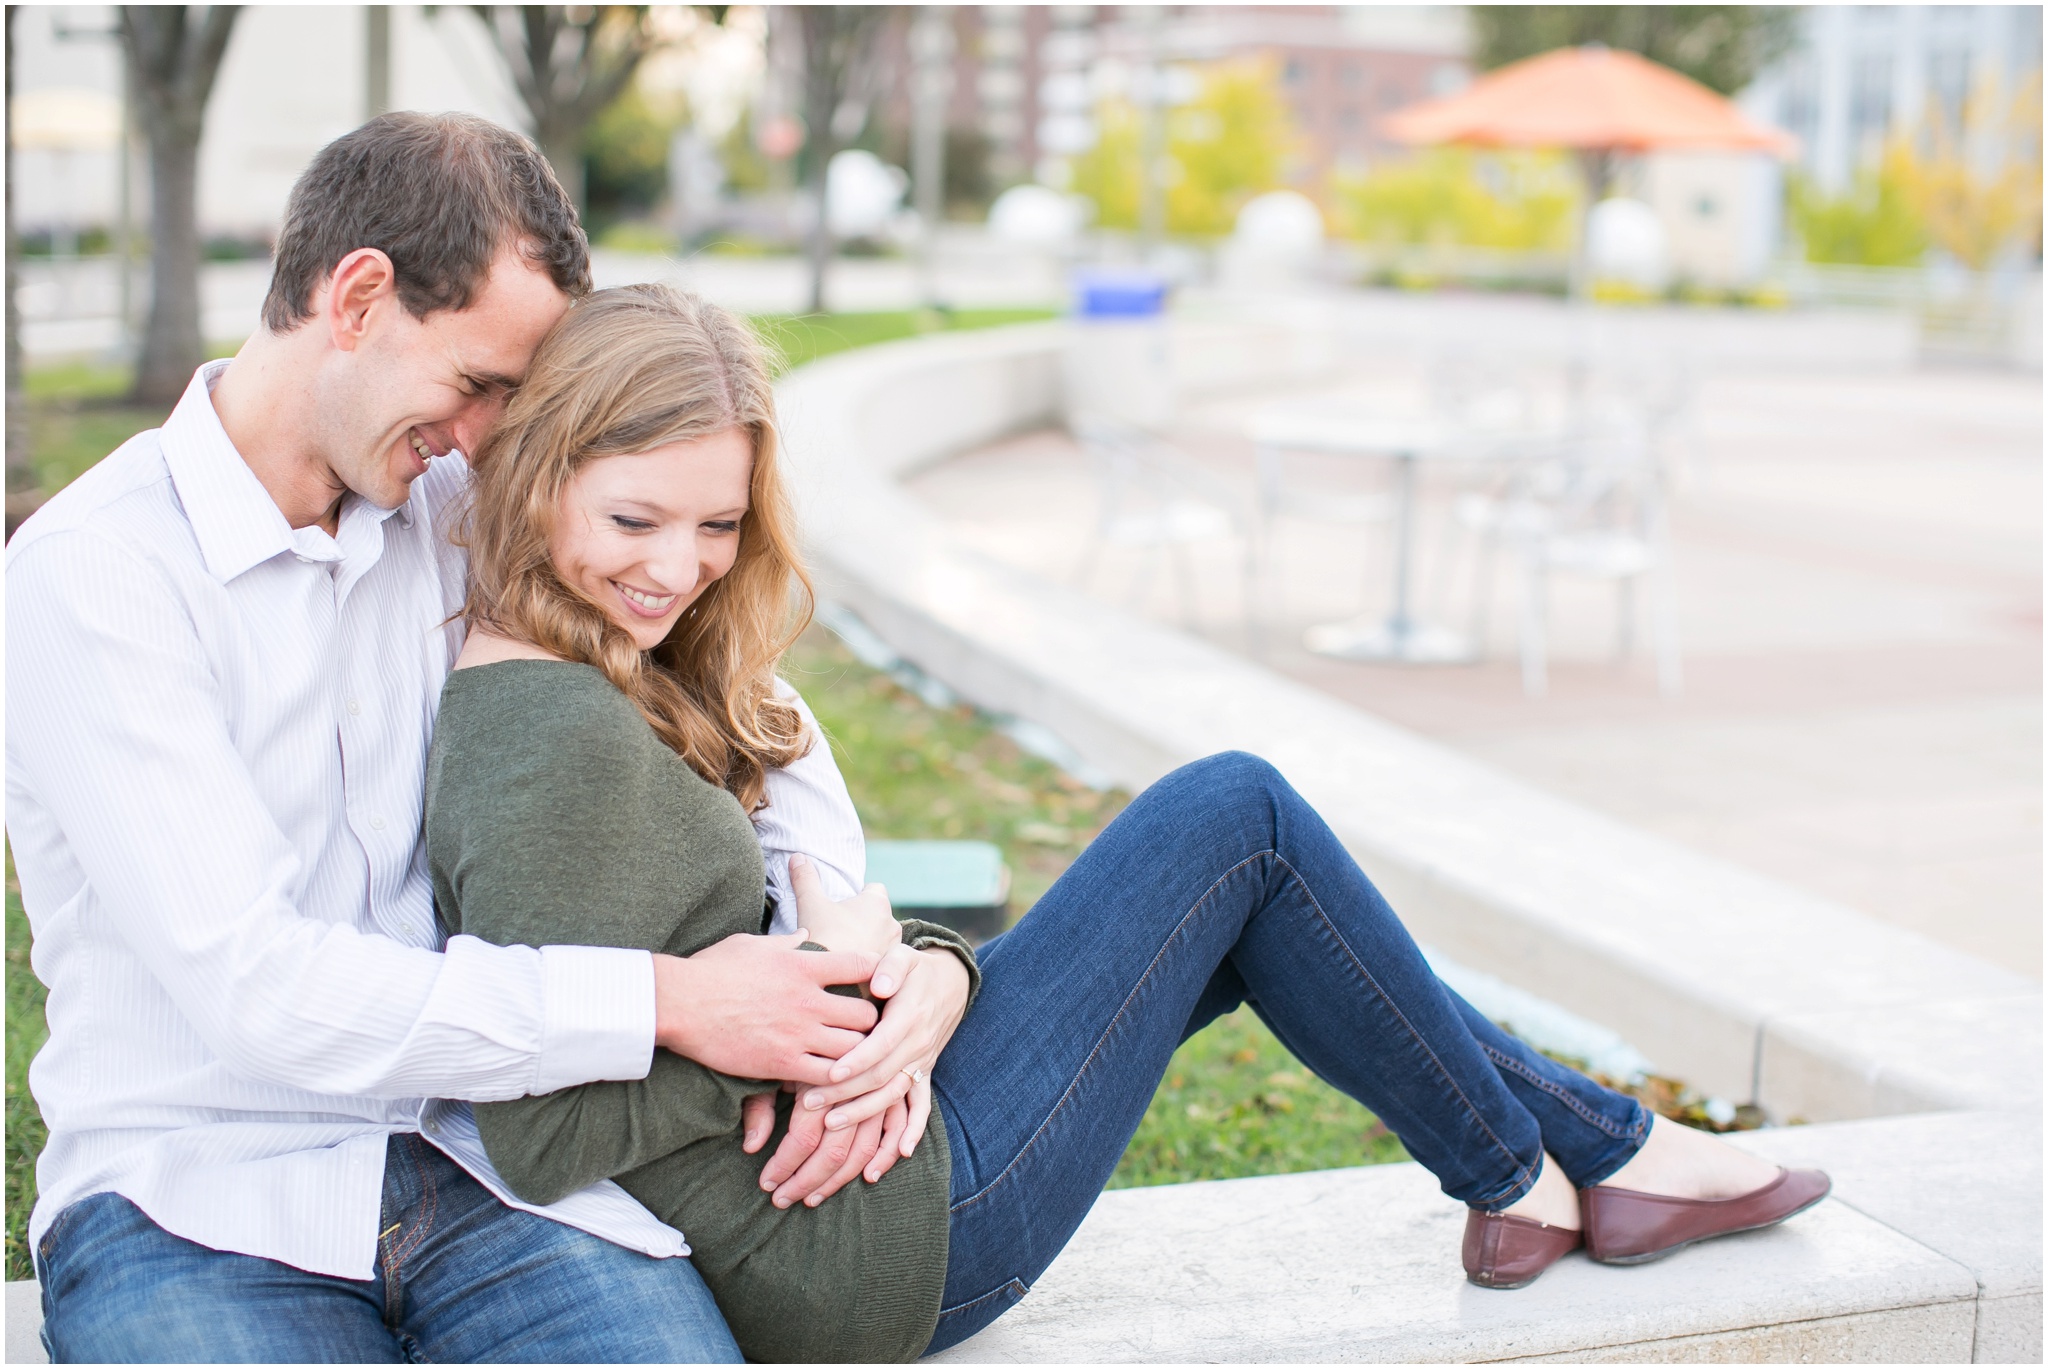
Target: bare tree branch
[[568, 63]]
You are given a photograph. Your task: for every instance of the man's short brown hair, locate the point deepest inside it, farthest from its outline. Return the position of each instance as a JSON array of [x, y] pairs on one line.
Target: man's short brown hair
[[439, 194]]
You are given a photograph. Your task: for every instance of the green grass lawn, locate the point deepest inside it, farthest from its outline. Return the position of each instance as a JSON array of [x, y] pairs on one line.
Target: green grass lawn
[[1234, 1101], [78, 411], [25, 1033], [798, 338]]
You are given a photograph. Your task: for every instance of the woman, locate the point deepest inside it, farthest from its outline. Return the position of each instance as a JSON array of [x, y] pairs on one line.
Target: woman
[[600, 746]]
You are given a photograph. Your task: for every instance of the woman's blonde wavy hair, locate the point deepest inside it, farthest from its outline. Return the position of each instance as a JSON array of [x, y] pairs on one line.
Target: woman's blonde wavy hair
[[625, 371]]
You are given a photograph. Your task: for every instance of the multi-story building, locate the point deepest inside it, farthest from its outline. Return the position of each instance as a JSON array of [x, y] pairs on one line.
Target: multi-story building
[[1027, 78], [1341, 67], [1861, 73]]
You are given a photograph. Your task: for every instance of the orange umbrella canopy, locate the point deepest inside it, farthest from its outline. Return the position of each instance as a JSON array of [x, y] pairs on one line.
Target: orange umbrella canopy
[[1591, 97]]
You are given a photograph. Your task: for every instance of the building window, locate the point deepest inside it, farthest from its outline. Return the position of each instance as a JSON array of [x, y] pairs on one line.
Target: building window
[[1351, 75], [1296, 72]]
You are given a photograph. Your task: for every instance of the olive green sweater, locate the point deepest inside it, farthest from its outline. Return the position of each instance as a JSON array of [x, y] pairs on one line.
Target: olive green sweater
[[555, 816]]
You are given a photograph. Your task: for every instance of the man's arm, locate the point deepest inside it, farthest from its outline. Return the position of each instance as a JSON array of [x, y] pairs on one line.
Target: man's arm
[[756, 1007], [117, 725]]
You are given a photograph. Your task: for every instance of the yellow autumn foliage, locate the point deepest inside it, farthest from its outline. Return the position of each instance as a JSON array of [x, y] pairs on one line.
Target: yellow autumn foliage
[[1978, 188], [1230, 144], [1511, 201]]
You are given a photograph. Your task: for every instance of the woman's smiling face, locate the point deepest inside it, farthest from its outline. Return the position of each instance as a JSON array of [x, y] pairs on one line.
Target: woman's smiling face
[[644, 535]]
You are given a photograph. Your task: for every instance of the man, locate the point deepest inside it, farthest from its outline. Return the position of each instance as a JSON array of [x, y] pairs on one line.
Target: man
[[226, 645]]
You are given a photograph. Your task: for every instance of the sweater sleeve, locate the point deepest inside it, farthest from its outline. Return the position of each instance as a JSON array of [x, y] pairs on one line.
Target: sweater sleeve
[[547, 854], [921, 935]]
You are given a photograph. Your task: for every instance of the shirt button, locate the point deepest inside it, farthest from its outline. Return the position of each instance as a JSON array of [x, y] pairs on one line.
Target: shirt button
[[354, 706], [377, 823]]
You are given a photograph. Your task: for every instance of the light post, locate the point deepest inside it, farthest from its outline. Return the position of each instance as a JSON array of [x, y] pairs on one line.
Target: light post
[[931, 52], [1152, 138]]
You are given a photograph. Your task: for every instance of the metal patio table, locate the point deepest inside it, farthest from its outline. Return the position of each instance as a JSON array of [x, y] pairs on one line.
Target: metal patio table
[[1407, 442]]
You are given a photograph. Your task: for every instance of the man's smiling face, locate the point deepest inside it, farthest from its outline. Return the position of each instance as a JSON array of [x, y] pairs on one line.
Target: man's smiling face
[[415, 388]]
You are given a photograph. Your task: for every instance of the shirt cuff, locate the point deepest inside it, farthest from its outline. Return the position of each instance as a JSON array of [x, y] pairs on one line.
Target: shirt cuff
[[597, 1016]]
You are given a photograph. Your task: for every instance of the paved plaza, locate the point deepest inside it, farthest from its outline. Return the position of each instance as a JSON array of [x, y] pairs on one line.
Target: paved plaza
[[1859, 603]]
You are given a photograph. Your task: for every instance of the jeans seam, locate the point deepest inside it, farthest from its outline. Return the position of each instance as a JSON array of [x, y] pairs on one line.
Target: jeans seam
[[394, 1259], [1563, 1095], [1122, 1010], [972, 1303], [57, 1224], [1416, 1036]]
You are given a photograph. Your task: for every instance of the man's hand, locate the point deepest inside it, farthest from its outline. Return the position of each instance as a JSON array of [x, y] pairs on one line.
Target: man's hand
[[812, 1164], [756, 1007], [821, 1152]]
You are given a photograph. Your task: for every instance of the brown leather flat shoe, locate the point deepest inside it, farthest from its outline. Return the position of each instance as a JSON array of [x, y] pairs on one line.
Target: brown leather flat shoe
[[1626, 1227], [1508, 1252]]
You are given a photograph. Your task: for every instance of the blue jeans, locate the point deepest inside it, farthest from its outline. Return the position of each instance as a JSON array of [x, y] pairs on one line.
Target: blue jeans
[[459, 1277], [1220, 886]]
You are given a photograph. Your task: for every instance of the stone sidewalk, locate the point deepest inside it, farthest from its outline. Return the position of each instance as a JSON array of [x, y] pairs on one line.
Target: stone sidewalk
[[1859, 565]]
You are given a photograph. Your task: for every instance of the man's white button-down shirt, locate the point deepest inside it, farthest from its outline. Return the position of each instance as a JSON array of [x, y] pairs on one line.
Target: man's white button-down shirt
[[217, 729]]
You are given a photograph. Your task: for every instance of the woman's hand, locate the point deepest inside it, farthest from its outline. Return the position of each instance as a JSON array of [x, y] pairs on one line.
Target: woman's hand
[[895, 1062], [860, 923]]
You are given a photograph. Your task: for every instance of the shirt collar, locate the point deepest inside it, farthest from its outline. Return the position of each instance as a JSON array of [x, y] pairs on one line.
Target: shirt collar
[[236, 522]]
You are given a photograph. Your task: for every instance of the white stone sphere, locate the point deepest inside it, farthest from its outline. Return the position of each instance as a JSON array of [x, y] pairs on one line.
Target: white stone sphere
[[1280, 223], [1037, 216], [862, 193], [1625, 241]]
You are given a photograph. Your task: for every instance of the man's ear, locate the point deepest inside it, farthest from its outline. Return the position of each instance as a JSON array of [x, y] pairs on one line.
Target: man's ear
[[363, 281]]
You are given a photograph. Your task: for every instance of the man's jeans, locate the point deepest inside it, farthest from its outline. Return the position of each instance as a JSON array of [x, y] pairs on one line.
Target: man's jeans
[[459, 1277], [1220, 886]]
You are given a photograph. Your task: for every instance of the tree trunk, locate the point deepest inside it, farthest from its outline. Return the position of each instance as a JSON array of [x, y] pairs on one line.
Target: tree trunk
[[565, 154], [568, 62], [21, 473], [173, 54], [376, 61], [820, 100], [818, 252], [172, 345]]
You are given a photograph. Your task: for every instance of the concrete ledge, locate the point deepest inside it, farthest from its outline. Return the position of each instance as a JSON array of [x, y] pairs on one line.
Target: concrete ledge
[[25, 1323], [1929, 1251], [1964, 1184], [1362, 1265], [1864, 1062], [1908, 1335]]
